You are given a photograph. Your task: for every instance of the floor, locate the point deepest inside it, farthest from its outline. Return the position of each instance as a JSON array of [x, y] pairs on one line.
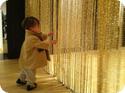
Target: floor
[[46, 83]]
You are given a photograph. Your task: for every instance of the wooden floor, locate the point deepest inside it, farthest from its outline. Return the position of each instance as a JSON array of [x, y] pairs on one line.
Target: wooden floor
[[46, 83]]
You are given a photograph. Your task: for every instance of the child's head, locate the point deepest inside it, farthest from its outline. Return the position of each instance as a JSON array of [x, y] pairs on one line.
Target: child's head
[[31, 23]]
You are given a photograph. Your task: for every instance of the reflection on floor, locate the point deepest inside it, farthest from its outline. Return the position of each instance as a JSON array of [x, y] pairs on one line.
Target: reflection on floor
[[3, 56], [46, 83], [5, 49]]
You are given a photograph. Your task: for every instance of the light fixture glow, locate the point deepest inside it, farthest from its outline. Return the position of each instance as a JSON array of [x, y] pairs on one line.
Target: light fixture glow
[[122, 91], [122, 2], [2, 1]]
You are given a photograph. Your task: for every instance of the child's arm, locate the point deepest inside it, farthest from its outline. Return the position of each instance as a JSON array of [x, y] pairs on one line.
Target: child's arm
[[42, 44], [44, 36], [37, 43]]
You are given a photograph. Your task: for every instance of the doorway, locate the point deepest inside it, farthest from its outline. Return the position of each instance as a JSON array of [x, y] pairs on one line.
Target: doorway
[[15, 33], [12, 12]]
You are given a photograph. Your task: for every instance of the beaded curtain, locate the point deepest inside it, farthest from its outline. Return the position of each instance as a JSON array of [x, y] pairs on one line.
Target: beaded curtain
[[88, 57], [32, 8]]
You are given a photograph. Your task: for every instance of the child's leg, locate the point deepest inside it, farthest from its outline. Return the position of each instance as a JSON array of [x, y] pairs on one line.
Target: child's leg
[[30, 76], [22, 78]]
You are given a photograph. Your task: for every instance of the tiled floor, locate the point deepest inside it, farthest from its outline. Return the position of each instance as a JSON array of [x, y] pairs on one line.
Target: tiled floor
[[46, 83]]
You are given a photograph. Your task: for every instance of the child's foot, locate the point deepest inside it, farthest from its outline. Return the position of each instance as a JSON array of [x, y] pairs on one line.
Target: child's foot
[[20, 82], [31, 87]]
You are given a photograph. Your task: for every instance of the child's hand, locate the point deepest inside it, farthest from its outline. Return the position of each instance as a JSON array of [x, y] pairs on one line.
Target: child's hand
[[50, 33], [52, 42]]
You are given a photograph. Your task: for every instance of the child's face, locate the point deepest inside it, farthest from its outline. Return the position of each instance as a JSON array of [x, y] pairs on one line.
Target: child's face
[[36, 28]]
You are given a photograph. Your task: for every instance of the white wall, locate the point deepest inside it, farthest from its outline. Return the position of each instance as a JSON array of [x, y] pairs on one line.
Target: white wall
[[3, 8]]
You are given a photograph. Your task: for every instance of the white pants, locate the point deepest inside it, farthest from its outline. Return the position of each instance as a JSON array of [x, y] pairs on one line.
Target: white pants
[[28, 75]]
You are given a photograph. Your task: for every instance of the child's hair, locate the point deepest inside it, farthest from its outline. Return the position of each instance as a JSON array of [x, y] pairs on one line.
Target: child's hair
[[30, 22]]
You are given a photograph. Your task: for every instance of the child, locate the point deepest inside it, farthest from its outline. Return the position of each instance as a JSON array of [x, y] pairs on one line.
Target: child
[[34, 52]]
